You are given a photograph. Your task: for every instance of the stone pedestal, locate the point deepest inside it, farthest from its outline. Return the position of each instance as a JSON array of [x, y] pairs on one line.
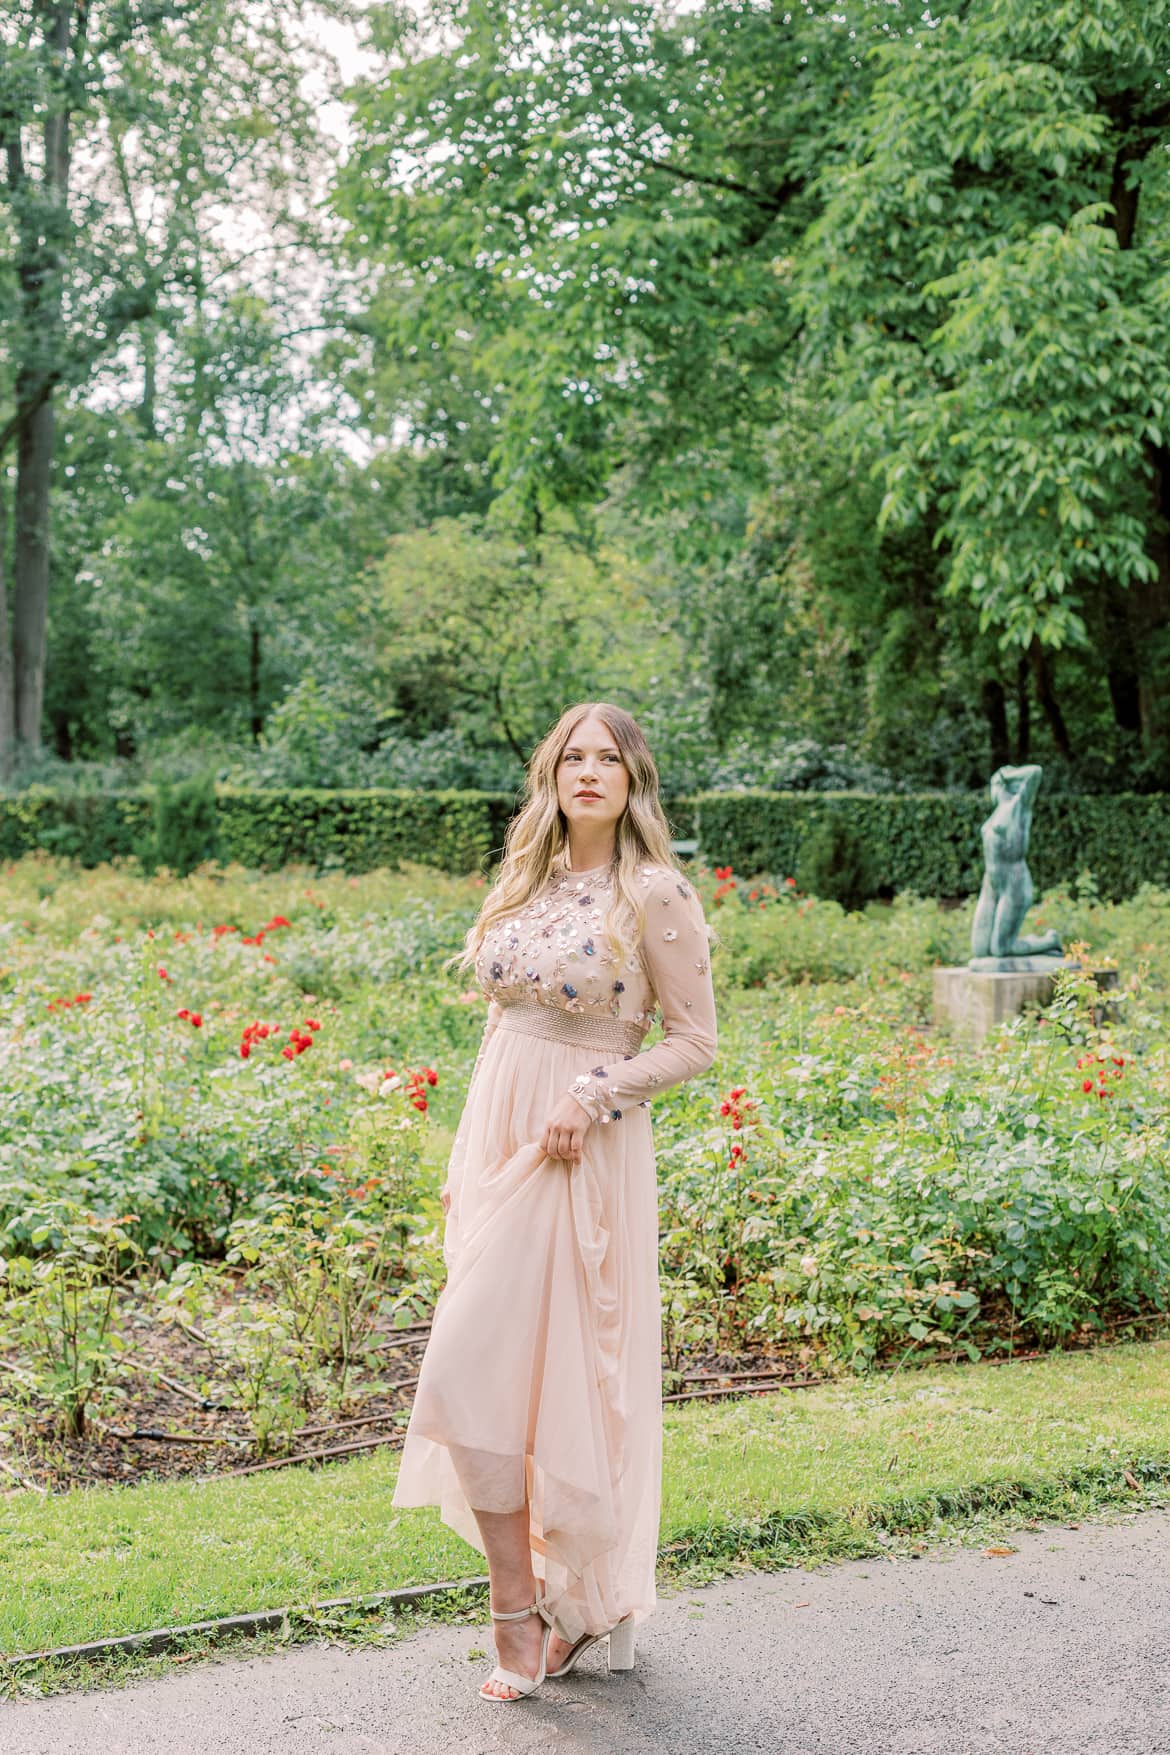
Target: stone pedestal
[[973, 1001]]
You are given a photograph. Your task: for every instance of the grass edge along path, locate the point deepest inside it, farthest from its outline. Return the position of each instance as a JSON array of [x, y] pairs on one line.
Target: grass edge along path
[[861, 1467]]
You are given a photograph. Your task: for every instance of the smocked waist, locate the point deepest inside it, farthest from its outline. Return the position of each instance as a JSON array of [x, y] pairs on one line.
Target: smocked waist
[[582, 1029]]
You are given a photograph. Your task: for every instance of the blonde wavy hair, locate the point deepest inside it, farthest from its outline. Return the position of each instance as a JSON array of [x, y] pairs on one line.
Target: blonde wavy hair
[[536, 844]]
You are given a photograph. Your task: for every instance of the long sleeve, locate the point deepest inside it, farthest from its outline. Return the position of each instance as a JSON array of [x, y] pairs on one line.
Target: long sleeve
[[677, 955]]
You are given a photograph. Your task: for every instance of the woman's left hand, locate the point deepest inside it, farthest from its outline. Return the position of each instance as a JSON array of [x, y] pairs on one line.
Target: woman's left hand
[[564, 1131]]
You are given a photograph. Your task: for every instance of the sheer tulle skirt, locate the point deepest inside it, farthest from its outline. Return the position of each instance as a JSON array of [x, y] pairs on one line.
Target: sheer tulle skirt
[[541, 1379]]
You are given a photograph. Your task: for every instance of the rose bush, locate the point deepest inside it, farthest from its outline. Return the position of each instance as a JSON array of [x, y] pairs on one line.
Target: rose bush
[[264, 1074]]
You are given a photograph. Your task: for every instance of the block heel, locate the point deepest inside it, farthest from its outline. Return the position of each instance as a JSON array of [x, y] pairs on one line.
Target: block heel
[[621, 1645]]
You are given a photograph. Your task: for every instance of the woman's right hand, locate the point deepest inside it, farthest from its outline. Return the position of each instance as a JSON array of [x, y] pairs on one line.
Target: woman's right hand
[[445, 1197], [564, 1131]]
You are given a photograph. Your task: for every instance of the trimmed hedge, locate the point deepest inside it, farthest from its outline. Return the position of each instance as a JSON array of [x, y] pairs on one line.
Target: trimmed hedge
[[929, 842], [925, 842], [90, 828], [358, 830]]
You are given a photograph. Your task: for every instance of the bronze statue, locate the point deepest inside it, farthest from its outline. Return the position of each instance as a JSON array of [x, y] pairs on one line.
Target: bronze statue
[[1007, 891]]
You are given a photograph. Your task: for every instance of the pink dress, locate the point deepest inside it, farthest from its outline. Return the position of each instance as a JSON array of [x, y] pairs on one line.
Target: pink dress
[[542, 1374]]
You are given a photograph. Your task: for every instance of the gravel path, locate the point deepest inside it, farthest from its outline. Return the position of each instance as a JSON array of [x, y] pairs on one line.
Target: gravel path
[[1062, 1648]]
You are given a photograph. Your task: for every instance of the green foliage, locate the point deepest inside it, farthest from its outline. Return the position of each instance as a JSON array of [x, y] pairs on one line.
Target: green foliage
[[795, 378], [331, 1266], [185, 826], [774, 937], [310, 736], [871, 1187], [154, 112], [452, 829], [855, 310], [921, 842], [359, 831], [863, 1187], [836, 862], [87, 826], [224, 584], [628, 276], [930, 844], [59, 1297], [474, 625], [989, 277], [252, 1348]]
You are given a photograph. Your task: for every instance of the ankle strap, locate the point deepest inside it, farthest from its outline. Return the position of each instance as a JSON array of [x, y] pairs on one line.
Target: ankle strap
[[514, 1614]]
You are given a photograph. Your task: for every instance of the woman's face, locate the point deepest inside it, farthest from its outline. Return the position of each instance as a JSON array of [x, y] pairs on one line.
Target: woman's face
[[591, 762]]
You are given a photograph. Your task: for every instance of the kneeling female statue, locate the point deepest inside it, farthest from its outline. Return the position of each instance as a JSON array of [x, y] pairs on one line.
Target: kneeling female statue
[[1007, 891]]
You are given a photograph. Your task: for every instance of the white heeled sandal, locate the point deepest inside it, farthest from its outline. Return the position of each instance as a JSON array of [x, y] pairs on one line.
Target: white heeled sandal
[[621, 1648], [513, 1678]]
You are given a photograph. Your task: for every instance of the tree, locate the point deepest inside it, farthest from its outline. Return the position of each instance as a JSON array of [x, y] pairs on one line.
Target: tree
[[991, 269], [227, 574], [476, 627], [942, 232], [613, 195], [127, 127]]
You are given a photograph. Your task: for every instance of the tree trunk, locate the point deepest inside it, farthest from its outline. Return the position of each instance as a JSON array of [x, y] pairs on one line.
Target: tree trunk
[[254, 680], [30, 606], [1046, 695], [7, 700], [42, 243], [1151, 615], [146, 408], [995, 712], [1023, 713], [1122, 666], [1150, 599]]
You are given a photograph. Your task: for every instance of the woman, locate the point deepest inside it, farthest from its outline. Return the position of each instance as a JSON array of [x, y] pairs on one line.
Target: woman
[[537, 1420]]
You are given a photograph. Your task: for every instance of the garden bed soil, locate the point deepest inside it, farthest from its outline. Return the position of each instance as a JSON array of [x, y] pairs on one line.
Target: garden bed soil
[[160, 1426]]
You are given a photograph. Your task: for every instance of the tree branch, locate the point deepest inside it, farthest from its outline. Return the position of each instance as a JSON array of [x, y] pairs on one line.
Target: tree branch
[[126, 308], [772, 202], [10, 132]]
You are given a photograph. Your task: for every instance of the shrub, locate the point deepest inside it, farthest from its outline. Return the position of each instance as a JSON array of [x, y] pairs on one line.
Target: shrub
[[835, 863], [252, 1348], [64, 1301], [184, 828]]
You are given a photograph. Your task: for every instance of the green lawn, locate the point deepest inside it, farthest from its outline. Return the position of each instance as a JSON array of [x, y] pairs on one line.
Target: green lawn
[[821, 1466]]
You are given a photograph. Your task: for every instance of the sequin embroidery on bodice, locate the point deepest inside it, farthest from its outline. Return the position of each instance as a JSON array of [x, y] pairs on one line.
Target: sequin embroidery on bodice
[[555, 952]]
